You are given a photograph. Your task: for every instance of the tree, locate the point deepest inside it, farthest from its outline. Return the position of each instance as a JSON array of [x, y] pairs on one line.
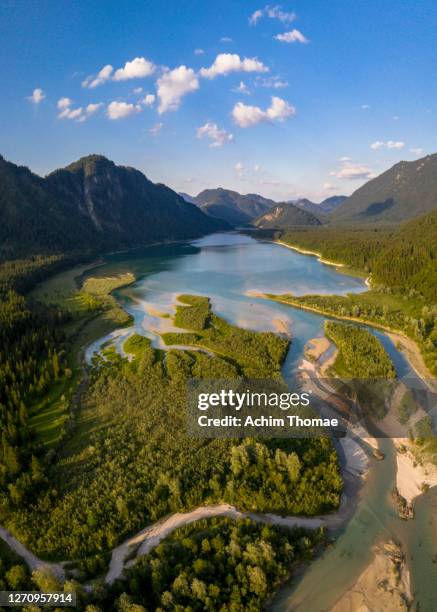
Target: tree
[[17, 577]]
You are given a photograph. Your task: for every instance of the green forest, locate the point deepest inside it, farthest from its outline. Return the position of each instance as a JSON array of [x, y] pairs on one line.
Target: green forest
[[218, 565], [403, 259], [77, 475], [360, 354], [117, 471]]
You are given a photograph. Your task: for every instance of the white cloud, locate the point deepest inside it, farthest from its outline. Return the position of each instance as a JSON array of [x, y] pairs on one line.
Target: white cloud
[[101, 77], [148, 100], [365, 106], [138, 90], [225, 39], [279, 109], [390, 144], [120, 110], [345, 158], [37, 96], [276, 12], [173, 85], [292, 36], [69, 113], [211, 130], [199, 51], [395, 144], [352, 172], [91, 109], [138, 68], [225, 63], [239, 168], [256, 16], [64, 103], [257, 168], [418, 151], [242, 89], [155, 129], [246, 116], [378, 144], [273, 12], [329, 186], [66, 112], [272, 82]]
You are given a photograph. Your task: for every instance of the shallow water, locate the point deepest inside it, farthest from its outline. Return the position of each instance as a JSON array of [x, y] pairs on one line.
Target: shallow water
[[225, 267]]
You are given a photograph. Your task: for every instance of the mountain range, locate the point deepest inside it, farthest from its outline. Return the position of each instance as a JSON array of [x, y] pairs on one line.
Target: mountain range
[[324, 208], [94, 205], [285, 215], [405, 191], [91, 204], [230, 206]]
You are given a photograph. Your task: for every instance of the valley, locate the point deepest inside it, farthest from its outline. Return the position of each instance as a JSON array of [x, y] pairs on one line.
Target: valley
[[153, 279], [131, 327]]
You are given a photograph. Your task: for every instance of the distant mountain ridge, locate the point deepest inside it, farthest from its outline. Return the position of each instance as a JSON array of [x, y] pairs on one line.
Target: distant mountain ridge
[[285, 215], [405, 191], [91, 204], [186, 197], [325, 207], [231, 206]]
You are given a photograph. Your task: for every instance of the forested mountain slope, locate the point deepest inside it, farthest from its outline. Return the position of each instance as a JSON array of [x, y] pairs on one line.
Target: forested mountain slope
[[91, 204], [285, 215], [409, 258], [405, 191], [403, 257]]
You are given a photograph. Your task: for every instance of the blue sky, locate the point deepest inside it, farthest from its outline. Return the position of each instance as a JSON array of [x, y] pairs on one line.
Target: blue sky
[[307, 98]]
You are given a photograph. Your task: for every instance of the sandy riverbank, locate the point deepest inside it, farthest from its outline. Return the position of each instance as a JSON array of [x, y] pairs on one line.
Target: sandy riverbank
[[314, 253], [33, 562], [282, 327], [384, 585], [406, 345], [315, 348], [412, 354], [151, 536], [411, 477]]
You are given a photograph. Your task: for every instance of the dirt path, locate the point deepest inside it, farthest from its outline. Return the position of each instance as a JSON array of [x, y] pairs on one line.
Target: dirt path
[[32, 560], [145, 540], [149, 537]]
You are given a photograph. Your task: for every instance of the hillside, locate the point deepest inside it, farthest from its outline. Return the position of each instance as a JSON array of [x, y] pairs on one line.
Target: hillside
[[231, 206], [91, 204], [285, 215], [403, 258], [406, 191], [330, 204], [409, 259]]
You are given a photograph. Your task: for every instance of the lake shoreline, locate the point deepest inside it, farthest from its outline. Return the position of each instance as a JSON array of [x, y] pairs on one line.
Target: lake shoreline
[[408, 347], [327, 262]]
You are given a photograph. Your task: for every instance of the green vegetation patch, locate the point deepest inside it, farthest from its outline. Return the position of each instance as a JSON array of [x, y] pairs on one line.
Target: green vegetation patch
[[129, 461], [217, 564], [360, 354], [256, 354], [14, 573], [195, 313], [412, 316]]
